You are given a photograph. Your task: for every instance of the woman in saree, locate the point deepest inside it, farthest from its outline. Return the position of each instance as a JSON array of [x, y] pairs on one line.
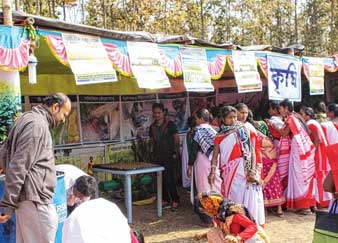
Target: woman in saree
[[321, 161], [272, 189], [233, 221], [299, 192], [199, 159], [237, 162], [282, 143]]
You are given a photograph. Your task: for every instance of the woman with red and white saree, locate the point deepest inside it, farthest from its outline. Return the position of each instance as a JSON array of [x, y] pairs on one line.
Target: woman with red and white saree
[[299, 193], [330, 129], [237, 161], [321, 161]]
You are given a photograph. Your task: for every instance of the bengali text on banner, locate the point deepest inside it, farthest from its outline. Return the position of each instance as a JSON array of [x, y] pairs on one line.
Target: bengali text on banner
[[284, 78]]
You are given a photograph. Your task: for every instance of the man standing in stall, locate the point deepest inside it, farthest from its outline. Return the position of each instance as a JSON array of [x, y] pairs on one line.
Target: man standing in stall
[[164, 135]]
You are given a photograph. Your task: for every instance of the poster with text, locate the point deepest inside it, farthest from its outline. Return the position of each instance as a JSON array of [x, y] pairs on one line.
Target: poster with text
[[284, 80], [246, 72], [137, 115], [68, 132], [145, 65], [100, 118], [176, 105], [316, 76], [195, 70], [201, 100], [88, 59]]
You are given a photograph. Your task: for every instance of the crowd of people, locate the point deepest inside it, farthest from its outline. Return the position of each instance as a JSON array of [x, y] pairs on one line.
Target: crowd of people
[[235, 165], [282, 162]]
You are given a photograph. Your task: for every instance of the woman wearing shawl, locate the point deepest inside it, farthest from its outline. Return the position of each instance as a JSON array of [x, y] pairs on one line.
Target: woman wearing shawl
[[321, 161], [299, 194], [239, 170], [234, 223], [200, 156]]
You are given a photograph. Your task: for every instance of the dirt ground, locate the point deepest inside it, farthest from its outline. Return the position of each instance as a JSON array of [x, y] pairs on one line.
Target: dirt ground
[[181, 226]]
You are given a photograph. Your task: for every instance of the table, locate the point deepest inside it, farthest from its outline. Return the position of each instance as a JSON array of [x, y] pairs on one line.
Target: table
[[127, 173]]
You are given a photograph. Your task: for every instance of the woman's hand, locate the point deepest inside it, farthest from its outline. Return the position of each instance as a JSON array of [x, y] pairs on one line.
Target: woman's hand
[[211, 178], [189, 171]]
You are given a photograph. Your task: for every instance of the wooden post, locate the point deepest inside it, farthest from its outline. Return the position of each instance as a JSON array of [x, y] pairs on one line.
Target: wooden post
[[7, 8]]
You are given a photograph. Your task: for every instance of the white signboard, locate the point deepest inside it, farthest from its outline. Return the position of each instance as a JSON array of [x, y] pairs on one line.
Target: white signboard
[[246, 73], [88, 59], [145, 65], [195, 69]]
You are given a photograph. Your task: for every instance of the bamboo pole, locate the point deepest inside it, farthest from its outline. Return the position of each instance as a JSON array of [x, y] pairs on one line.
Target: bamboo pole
[[7, 9]]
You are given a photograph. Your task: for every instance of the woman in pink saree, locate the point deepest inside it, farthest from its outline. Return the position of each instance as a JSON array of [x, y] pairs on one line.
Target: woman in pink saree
[[299, 193], [237, 162]]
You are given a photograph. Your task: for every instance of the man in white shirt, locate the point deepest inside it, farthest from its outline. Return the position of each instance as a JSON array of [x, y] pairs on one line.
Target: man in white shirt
[[98, 221], [80, 187]]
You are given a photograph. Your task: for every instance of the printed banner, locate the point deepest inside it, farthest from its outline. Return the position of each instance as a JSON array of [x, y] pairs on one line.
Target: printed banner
[[316, 76], [145, 65], [10, 100], [137, 115], [68, 132], [284, 80], [88, 59], [100, 118], [229, 96], [200, 100], [176, 105], [246, 73], [195, 69]]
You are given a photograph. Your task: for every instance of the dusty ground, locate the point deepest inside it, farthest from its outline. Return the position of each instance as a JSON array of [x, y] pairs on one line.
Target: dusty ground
[[182, 225]]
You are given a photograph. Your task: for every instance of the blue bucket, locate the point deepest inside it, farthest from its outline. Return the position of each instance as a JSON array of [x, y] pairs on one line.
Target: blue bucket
[[60, 202], [8, 229]]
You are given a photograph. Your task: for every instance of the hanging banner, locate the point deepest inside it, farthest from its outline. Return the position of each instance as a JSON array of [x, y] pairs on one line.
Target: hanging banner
[[284, 80], [195, 70], [246, 73], [100, 118], [137, 115], [145, 65], [10, 100], [316, 76], [176, 105], [88, 59]]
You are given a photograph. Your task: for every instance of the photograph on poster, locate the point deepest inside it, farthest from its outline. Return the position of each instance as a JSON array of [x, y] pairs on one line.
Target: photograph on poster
[[137, 115], [100, 121], [198, 101], [68, 132], [177, 109]]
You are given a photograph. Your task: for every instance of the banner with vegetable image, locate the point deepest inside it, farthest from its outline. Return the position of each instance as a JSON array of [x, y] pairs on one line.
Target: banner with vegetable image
[[10, 101], [195, 70], [68, 132], [100, 118]]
